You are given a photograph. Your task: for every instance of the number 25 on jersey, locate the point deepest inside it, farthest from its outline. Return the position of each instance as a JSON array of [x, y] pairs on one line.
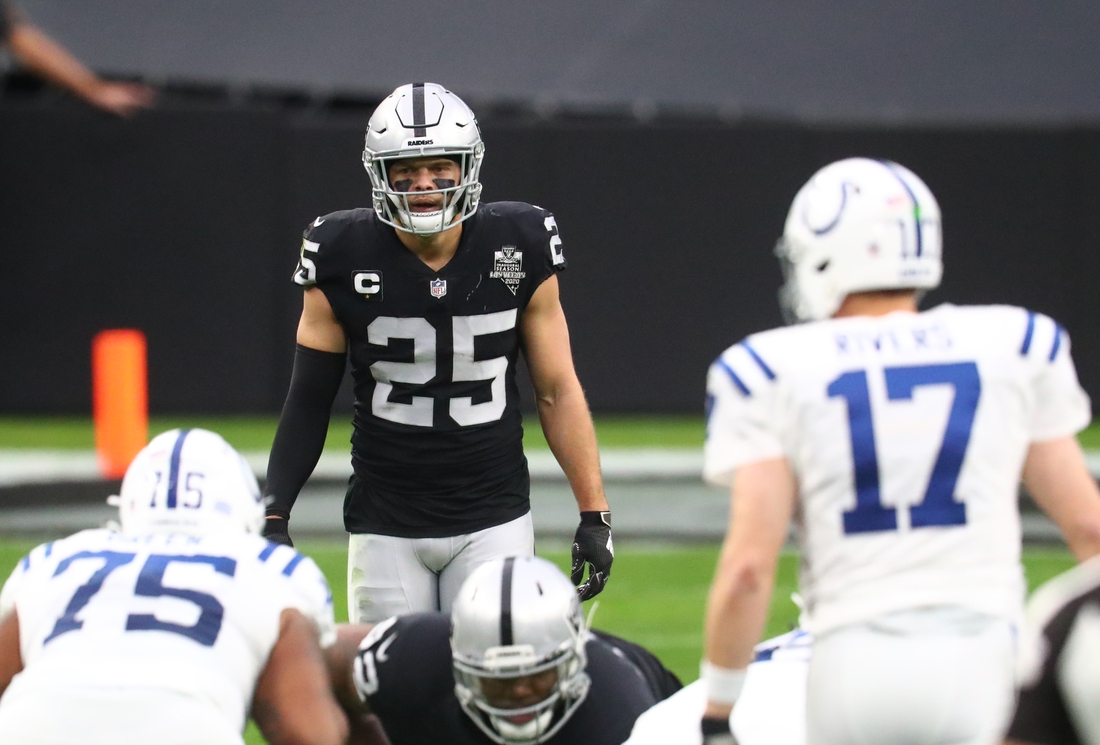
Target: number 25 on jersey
[[422, 369]]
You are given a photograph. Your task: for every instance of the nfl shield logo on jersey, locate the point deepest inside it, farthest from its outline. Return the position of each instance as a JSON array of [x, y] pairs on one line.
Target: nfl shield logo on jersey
[[439, 287]]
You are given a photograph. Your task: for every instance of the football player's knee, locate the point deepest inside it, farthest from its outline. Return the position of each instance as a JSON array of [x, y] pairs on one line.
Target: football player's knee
[[374, 605]]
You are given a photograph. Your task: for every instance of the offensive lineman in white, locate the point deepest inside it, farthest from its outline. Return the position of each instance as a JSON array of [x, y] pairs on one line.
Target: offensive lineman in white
[[172, 630], [771, 709], [896, 440]]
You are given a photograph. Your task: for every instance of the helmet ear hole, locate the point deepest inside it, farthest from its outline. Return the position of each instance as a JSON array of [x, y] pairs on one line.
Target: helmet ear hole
[[823, 266]]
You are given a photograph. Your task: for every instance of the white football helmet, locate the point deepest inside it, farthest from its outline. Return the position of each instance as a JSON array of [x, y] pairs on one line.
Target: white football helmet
[[423, 120], [858, 225], [189, 481], [513, 617]]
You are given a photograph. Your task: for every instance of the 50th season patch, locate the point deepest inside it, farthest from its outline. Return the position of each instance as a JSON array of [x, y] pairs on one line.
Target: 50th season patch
[[508, 267]]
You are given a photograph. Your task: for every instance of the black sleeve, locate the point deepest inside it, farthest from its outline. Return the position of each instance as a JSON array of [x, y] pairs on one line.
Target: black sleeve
[[303, 425], [536, 231], [662, 681], [553, 256]]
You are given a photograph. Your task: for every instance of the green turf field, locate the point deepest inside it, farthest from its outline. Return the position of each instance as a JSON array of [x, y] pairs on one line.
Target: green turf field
[[256, 432], [656, 596]]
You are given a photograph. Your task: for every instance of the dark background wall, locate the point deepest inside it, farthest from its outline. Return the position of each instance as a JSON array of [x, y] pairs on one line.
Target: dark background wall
[[980, 61], [185, 222]]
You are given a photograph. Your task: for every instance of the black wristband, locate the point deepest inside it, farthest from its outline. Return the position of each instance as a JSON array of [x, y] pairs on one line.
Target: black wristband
[[276, 525], [596, 517], [277, 530]]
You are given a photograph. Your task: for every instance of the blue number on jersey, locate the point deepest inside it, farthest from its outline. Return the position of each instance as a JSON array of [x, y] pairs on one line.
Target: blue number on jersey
[[938, 507], [112, 560], [149, 584]]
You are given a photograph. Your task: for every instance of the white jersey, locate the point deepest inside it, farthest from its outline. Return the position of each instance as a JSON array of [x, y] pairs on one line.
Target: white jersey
[[194, 619], [907, 435], [770, 711]]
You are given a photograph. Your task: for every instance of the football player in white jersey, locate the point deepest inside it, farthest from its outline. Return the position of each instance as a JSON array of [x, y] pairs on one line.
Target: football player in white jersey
[[771, 708], [175, 628], [896, 440]]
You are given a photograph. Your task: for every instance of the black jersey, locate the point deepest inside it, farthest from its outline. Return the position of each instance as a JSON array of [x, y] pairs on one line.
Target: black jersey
[[1057, 704], [437, 446], [410, 686]]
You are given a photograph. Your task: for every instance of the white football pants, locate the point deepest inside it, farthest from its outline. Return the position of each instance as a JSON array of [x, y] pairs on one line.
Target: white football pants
[[770, 711], [111, 716], [391, 576], [941, 676]]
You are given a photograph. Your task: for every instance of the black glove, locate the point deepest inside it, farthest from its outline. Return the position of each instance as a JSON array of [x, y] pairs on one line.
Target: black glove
[[276, 526], [592, 545], [717, 732]]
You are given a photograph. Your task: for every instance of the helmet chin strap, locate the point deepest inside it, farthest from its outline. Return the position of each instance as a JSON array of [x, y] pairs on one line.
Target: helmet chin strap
[[424, 223], [526, 732], [427, 223]]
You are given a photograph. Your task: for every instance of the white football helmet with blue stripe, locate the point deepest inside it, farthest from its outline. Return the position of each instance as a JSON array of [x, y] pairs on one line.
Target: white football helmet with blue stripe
[[189, 481], [858, 225], [422, 120]]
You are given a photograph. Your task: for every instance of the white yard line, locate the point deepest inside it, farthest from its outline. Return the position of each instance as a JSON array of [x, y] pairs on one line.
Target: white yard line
[[47, 466], [619, 464]]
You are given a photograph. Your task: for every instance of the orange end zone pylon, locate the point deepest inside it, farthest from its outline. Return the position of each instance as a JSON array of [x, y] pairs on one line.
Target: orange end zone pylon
[[120, 398]]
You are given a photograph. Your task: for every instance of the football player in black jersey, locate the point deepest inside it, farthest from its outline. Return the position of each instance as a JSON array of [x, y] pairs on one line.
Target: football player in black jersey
[[433, 298], [515, 664], [1059, 697]]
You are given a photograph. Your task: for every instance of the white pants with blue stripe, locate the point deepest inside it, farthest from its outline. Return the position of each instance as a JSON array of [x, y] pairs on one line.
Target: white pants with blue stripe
[[938, 676], [391, 576]]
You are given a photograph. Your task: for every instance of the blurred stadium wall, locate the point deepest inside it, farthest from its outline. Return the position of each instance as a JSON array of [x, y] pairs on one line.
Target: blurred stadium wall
[[186, 222], [986, 61], [667, 137]]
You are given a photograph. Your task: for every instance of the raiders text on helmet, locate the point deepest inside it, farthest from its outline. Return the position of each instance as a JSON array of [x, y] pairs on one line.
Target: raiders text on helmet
[[858, 225], [515, 617], [421, 120]]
